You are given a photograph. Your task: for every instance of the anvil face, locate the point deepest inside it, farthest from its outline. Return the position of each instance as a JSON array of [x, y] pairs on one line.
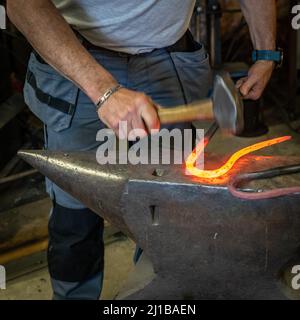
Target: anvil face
[[202, 242]]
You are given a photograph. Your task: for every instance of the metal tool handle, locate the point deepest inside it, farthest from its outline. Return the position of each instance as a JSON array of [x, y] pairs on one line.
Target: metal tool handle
[[202, 110]]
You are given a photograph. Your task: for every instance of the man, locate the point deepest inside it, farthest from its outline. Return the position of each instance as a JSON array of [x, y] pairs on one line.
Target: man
[[84, 50]]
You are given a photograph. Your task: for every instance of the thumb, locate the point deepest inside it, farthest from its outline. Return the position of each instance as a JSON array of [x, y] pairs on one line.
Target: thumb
[[247, 85], [240, 82]]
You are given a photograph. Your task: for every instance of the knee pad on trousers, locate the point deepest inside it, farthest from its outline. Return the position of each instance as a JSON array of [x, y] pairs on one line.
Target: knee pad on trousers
[[76, 250]]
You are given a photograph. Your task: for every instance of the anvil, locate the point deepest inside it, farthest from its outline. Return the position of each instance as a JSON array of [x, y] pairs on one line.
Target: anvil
[[202, 243]]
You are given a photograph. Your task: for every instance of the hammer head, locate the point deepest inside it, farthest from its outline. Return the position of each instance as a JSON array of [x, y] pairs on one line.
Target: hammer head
[[228, 104]]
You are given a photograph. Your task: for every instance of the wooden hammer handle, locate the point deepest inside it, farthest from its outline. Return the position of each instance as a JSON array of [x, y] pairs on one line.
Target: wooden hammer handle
[[202, 110]]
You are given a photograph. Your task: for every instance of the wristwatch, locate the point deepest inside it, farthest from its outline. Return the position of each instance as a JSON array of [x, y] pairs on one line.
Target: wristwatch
[[269, 55]]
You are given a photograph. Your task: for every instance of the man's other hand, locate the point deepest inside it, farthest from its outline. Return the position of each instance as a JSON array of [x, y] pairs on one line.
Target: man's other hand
[[134, 108], [253, 86]]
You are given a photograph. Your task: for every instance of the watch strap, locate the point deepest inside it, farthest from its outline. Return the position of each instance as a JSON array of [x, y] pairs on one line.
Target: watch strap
[[268, 55]]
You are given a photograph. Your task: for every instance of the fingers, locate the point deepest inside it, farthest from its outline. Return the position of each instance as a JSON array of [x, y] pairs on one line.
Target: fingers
[[150, 117], [255, 93], [145, 119], [240, 82], [250, 88], [138, 129], [248, 85], [253, 86], [130, 114]]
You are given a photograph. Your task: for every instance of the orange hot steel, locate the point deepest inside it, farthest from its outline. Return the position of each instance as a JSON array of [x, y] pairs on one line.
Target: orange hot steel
[[212, 174]]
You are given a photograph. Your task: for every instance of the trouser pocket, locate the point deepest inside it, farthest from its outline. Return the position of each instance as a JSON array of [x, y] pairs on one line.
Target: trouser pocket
[[194, 73], [50, 96]]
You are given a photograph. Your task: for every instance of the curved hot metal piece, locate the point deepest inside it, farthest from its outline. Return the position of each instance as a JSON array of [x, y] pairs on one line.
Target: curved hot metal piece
[[219, 172]]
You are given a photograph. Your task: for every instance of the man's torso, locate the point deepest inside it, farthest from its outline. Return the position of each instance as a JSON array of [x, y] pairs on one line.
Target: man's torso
[[133, 26]]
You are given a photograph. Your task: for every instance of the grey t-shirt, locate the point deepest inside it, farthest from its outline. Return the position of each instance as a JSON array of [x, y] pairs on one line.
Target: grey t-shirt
[[132, 26]]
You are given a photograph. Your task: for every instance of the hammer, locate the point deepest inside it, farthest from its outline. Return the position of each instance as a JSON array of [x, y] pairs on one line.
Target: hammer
[[225, 106]]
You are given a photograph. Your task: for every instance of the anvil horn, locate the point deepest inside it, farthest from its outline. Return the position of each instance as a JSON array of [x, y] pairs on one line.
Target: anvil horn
[[79, 174]]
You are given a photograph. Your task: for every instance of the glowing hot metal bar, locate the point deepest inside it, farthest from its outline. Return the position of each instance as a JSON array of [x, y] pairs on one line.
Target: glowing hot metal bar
[[211, 174]]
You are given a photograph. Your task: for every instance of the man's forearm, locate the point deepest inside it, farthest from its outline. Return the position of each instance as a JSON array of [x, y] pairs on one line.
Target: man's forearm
[[261, 18], [54, 40]]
